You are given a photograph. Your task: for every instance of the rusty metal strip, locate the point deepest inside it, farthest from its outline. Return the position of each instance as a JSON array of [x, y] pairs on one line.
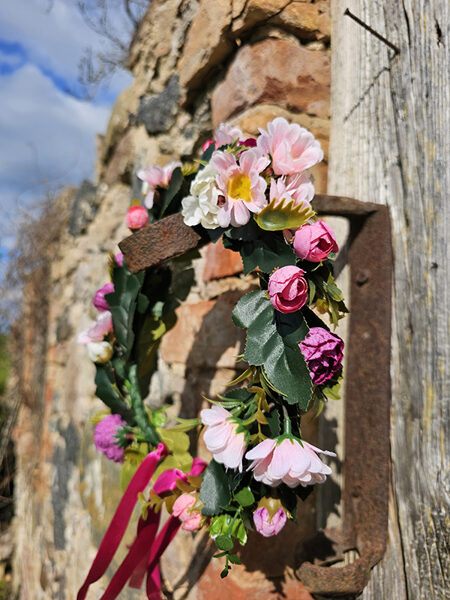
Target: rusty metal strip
[[367, 397]]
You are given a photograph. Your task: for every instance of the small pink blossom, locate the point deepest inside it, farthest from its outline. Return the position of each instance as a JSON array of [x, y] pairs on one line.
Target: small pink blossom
[[207, 144], [288, 289], [315, 242], [288, 462], [119, 259], [267, 525], [99, 299], [241, 185], [137, 218], [154, 177], [293, 148], [297, 188], [105, 437], [221, 438], [97, 331], [227, 134], [183, 509]]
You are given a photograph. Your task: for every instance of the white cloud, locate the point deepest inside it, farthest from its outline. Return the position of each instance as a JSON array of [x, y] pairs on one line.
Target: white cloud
[[47, 137], [55, 35]]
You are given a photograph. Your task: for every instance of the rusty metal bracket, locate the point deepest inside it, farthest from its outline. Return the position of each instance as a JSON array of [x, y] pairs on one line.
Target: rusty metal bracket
[[368, 389]]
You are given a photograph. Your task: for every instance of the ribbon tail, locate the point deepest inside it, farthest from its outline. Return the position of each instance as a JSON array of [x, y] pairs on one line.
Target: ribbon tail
[[119, 522], [165, 536]]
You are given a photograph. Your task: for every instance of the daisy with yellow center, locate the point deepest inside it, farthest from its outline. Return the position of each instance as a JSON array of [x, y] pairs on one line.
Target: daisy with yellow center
[[241, 186]]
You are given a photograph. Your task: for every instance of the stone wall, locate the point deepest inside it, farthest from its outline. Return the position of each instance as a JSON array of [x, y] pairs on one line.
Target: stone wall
[[195, 64]]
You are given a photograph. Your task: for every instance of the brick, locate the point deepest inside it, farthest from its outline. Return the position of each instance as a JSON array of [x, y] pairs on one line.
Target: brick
[[276, 71], [221, 262]]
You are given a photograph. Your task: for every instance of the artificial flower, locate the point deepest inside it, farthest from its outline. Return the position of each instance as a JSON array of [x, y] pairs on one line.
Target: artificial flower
[[293, 149], [154, 177], [314, 242], [286, 460], [296, 188], [97, 331], [137, 218], [100, 352], [241, 187], [99, 299], [202, 206], [269, 525], [105, 437], [227, 134], [288, 289], [183, 510], [221, 438], [323, 352]]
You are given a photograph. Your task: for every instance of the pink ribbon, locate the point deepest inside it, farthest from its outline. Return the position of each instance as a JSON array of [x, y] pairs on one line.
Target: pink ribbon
[[146, 550]]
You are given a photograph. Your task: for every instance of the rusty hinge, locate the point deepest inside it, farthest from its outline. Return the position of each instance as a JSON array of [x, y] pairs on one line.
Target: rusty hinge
[[368, 389]]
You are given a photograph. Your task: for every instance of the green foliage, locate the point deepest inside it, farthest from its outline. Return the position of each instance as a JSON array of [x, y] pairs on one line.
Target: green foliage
[[245, 497], [266, 250], [137, 406], [122, 303], [272, 342], [280, 214], [108, 393], [215, 491]]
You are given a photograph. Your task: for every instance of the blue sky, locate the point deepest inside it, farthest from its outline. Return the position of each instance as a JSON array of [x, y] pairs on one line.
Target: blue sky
[[47, 128]]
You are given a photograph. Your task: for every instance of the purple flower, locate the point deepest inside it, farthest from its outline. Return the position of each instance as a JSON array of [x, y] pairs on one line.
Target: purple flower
[[99, 299], [267, 525], [104, 437], [323, 352]]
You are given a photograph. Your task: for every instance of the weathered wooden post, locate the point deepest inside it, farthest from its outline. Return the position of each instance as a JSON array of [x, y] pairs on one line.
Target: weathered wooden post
[[389, 144]]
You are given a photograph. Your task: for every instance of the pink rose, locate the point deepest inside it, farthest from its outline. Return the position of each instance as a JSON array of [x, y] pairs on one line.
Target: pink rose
[[288, 289], [221, 438], [323, 352], [267, 525], [137, 218], [105, 437], [99, 299], [287, 461], [314, 242], [183, 509]]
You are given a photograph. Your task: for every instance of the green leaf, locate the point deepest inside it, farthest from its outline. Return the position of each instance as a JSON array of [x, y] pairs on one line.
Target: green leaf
[[274, 422], [122, 303], [168, 195], [241, 534], [234, 558], [282, 214], [266, 250], [140, 414], [224, 573], [272, 342], [224, 542], [245, 497], [215, 490], [108, 394]]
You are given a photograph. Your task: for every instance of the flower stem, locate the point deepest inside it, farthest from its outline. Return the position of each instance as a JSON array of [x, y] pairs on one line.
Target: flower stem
[[287, 421]]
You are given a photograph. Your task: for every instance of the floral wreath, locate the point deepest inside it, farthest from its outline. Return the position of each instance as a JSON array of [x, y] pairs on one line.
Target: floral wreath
[[254, 194]]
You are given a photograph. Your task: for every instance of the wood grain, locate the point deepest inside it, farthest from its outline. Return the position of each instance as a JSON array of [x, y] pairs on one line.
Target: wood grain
[[390, 141]]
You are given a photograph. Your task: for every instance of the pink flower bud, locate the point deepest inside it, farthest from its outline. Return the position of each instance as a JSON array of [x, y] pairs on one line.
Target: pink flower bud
[[267, 526], [207, 144], [288, 289], [314, 242], [137, 218], [119, 259], [182, 508], [99, 299]]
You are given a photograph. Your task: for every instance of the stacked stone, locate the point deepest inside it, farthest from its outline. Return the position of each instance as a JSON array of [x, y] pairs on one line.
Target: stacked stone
[[196, 64]]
